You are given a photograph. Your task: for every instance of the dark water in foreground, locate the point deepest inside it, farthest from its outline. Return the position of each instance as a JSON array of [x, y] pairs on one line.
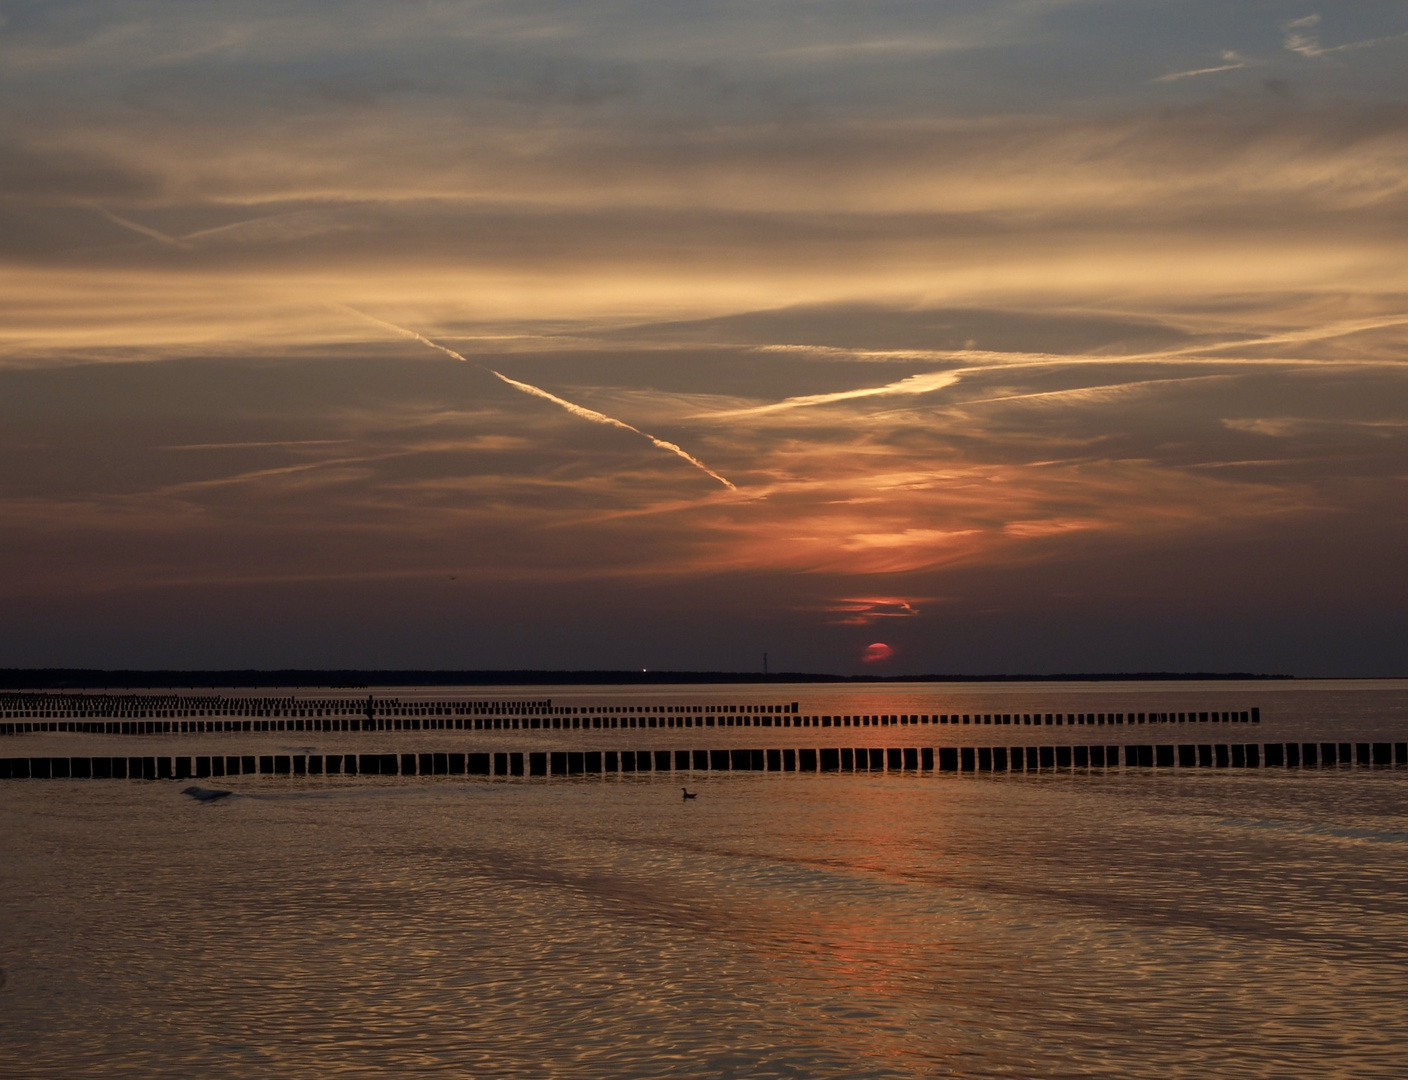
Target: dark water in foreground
[[1123, 923]]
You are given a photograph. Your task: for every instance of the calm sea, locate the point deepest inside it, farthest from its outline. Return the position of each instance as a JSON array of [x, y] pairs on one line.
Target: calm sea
[[1120, 923]]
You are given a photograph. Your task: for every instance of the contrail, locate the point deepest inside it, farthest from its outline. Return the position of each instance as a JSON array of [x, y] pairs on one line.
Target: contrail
[[562, 403], [923, 383], [138, 227]]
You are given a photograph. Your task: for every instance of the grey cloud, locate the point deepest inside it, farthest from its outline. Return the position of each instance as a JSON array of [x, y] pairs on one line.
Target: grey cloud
[[1190, 158], [770, 196], [46, 176], [222, 61]]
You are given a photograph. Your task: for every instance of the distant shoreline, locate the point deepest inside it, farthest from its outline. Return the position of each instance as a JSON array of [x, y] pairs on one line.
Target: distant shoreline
[[97, 679]]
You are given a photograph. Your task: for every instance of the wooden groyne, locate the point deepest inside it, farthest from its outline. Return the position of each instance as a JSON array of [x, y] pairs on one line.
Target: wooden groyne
[[825, 759], [178, 714]]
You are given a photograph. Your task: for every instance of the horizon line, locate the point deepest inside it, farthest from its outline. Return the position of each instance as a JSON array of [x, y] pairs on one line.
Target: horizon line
[[56, 678]]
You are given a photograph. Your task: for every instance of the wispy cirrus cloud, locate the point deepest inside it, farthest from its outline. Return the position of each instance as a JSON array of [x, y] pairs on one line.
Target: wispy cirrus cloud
[[1232, 61], [1302, 36]]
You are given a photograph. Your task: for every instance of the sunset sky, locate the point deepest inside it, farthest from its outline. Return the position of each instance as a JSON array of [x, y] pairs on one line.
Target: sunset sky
[[1008, 336]]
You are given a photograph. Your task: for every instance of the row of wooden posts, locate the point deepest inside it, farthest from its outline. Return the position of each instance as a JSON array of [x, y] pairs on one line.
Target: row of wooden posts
[[785, 716], [822, 759]]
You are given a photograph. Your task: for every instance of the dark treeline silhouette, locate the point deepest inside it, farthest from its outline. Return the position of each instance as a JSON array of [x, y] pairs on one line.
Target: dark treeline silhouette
[[95, 679]]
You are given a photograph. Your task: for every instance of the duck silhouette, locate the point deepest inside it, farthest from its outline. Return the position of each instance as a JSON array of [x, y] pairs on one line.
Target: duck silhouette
[[690, 794]]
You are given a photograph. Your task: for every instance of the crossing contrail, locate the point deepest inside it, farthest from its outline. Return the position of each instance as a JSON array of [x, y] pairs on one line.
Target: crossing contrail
[[143, 230], [562, 403], [923, 383]]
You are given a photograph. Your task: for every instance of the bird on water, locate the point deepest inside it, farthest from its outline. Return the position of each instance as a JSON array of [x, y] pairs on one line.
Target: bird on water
[[689, 794]]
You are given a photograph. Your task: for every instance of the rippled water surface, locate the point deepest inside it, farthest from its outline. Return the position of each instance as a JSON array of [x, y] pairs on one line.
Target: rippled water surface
[[1122, 923]]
